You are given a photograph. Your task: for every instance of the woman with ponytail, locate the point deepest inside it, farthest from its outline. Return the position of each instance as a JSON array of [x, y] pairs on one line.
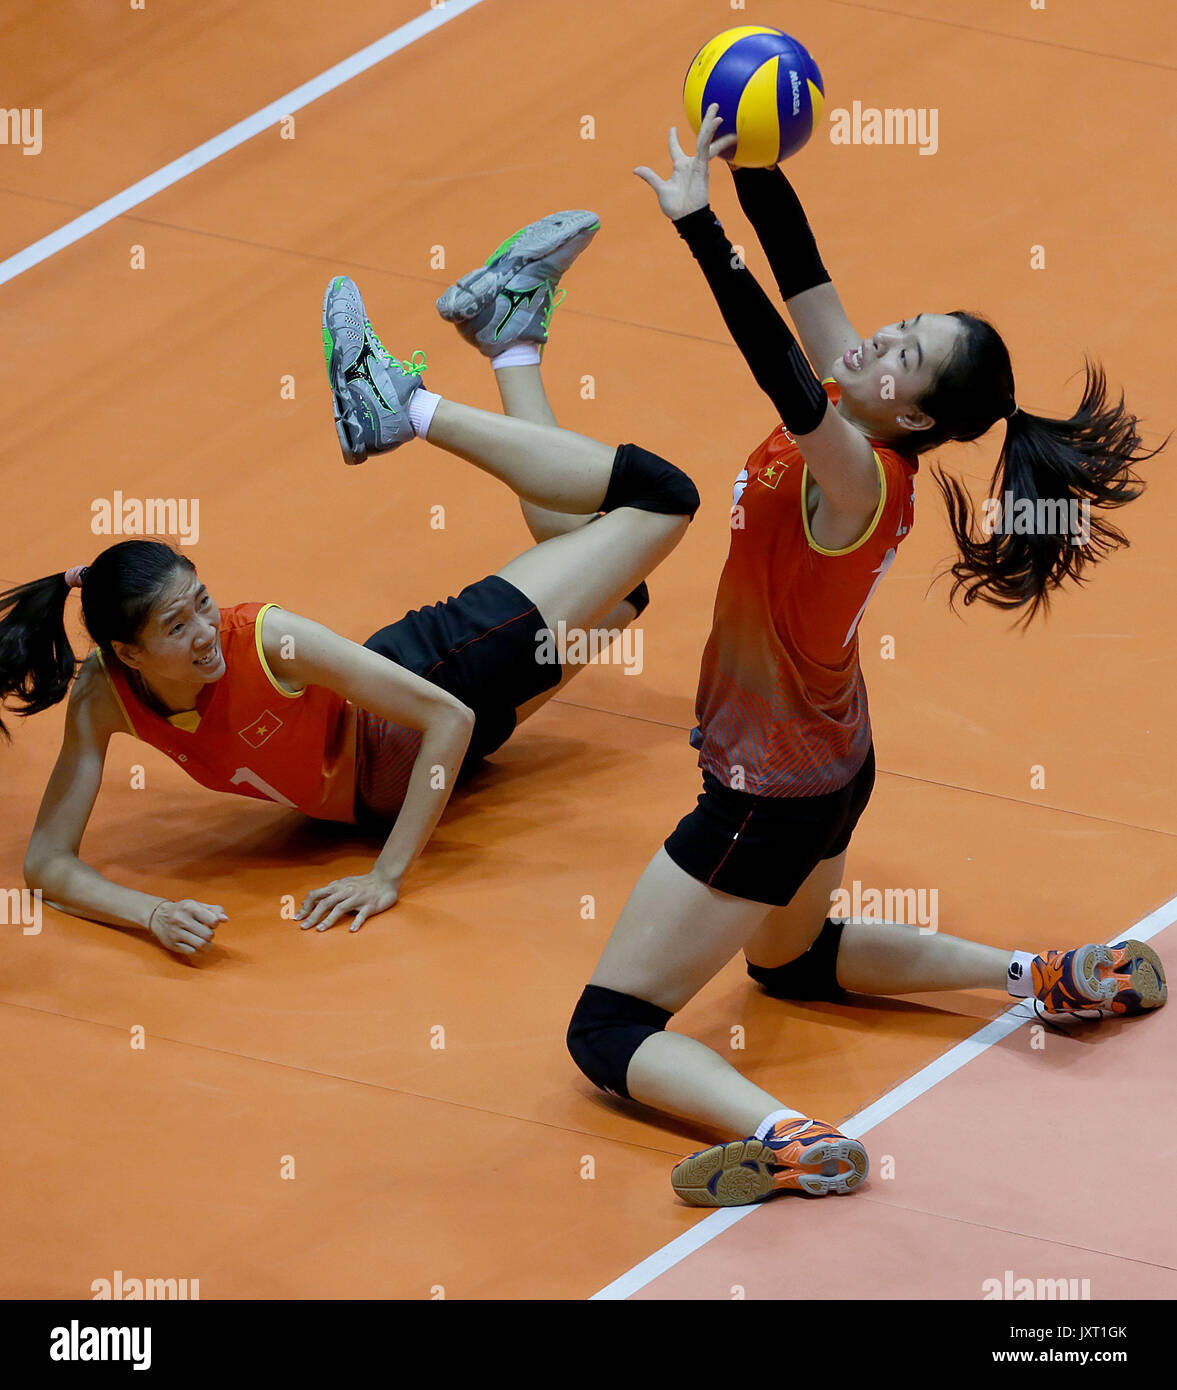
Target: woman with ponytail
[[264, 703], [783, 732]]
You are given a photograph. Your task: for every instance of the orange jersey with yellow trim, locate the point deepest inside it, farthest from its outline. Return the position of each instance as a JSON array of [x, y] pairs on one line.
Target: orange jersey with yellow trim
[[250, 736], [781, 706]]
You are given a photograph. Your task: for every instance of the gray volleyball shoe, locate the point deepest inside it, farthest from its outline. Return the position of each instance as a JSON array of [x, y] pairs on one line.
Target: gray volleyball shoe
[[510, 299], [370, 387]]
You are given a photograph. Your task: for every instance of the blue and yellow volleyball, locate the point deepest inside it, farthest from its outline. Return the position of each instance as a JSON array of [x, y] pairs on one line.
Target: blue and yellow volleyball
[[768, 88]]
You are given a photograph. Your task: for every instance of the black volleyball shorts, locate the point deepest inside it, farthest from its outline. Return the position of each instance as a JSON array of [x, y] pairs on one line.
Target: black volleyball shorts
[[763, 848]]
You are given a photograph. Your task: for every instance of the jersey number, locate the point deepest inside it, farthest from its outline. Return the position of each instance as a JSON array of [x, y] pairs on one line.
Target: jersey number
[[887, 561], [250, 778]]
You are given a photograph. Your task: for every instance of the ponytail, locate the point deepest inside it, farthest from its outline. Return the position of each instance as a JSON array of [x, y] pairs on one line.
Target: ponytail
[[37, 662], [1040, 524], [118, 592]]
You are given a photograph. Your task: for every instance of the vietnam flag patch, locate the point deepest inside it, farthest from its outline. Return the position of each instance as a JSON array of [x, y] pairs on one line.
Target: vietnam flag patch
[[259, 730], [772, 473]]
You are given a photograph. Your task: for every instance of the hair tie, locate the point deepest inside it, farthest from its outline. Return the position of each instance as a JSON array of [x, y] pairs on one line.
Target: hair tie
[[75, 576], [1013, 412]]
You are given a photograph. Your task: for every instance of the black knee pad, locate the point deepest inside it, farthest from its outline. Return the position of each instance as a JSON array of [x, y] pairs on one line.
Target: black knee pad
[[812, 976], [607, 1028], [643, 480], [640, 598]]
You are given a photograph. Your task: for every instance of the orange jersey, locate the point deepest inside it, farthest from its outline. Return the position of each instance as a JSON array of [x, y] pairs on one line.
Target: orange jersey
[[250, 736], [781, 707]]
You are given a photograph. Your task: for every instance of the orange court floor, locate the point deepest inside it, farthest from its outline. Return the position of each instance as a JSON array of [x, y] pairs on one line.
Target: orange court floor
[[392, 1114]]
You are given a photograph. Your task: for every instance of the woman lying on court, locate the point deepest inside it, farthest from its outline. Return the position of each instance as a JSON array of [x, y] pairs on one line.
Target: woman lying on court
[[267, 704], [783, 733]]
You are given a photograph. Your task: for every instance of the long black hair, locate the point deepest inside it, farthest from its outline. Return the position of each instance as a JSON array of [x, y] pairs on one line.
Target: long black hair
[[118, 590], [1051, 467]]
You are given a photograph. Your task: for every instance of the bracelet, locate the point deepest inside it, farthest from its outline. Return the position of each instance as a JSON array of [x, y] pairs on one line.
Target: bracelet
[[163, 902]]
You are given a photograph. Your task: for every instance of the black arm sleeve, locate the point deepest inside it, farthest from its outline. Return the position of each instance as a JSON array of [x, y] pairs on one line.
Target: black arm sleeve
[[769, 348], [782, 228]]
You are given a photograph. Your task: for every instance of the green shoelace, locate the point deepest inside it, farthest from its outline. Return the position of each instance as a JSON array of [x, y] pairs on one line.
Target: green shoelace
[[555, 299], [411, 368]]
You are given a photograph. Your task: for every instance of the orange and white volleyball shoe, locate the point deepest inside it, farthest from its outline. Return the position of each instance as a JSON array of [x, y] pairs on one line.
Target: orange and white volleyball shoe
[[795, 1156], [1123, 979]]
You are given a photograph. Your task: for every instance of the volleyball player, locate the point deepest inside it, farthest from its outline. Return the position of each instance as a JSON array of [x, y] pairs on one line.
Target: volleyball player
[[783, 731], [254, 700]]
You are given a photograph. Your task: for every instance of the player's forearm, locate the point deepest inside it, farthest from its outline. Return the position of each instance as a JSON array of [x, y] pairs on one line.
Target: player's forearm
[[69, 885], [769, 348], [775, 212], [443, 746]]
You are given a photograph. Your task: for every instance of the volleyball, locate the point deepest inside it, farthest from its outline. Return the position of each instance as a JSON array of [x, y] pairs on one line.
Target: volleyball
[[768, 88]]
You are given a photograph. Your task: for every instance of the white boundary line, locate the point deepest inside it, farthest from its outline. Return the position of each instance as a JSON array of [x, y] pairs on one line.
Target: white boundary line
[[858, 1125], [229, 139]]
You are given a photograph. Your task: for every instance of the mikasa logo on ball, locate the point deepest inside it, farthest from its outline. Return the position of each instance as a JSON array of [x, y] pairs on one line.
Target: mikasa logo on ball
[[796, 84]]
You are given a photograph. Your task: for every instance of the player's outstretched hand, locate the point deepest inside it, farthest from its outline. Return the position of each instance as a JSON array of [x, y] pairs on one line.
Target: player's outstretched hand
[[686, 190], [363, 894]]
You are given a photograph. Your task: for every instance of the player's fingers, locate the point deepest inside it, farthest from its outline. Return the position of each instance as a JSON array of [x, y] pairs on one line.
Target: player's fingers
[[706, 146], [724, 143], [650, 177], [201, 912], [361, 918], [325, 903], [676, 150], [336, 913], [312, 898]]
